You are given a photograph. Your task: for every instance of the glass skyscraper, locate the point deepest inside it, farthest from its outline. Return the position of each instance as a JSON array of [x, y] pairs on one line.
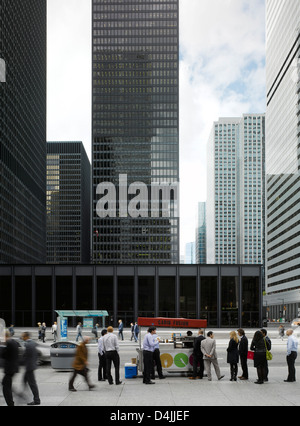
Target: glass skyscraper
[[282, 158], [68, 203], [235, 196], [23, 131], [200, 240], [135, 126]]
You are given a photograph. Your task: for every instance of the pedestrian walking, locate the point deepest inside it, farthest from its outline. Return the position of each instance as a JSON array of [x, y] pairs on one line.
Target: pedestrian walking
[[79, 332], [268, 345], [233, 355], [259, 348], [208, 348], [132, 331], [111, 349], [148, 349], [198, 357], [243, 353], [281, 331], [156, 360], [39, 324], [120, 328], [95, 331], [136, 331], [11, 330], [11, 367], [80, 365], [43, 332], [102, 358], [30, 357], [291, 355], [54, 331]]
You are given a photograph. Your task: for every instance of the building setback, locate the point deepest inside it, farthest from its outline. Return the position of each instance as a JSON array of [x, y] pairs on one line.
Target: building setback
[[282, 159], [225, 295], [68, 203], [23, 131], [235, 200], [135, 125]]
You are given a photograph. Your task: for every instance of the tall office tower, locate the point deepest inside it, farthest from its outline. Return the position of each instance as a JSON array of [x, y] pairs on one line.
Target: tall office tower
[[68, 203], [23, 131], [200, 240], [135, 129], [190, 258], [235, 206], [282, 158]]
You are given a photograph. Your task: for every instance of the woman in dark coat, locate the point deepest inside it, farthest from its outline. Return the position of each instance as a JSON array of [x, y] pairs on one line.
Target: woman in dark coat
[[259, 348], [233, 355]]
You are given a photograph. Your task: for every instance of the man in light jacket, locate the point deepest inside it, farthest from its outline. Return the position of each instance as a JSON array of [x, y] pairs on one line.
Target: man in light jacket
[[30, 362], [208, 348]]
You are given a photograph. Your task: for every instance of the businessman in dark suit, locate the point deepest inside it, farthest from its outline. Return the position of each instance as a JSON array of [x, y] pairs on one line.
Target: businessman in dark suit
[[243, 352], [11, 367], [198, 357], [30, 362]]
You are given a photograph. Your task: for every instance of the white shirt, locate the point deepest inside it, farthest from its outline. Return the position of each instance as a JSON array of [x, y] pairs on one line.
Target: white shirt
[[100, 345], [110, 342]]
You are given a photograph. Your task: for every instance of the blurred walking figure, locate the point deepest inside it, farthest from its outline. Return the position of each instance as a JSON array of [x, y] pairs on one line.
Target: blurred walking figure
[[281, 331], [111, 349], [132, 331], [30, 357], [39, 324], [11, 330], [80, 365], [79, 332], [11, 367], [95, 331], [259, 348], [121, 327], [54, 331], [208, 348], [136, 331], [102, 358], [233, 355], [43, 332], [243, 353], [291, 355]]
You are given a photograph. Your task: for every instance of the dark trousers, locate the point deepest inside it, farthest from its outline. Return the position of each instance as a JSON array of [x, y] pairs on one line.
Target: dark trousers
[[157, 363], [112, 357], [7, 389], [291, 366], [83, 373], [102, 367], [198, 359], [29, 378], [244, 365], [148, 365], [233, 371]]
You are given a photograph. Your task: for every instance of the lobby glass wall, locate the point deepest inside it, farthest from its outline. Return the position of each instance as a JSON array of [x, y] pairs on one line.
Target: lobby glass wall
[[146, 294], [167, 297], [209, 300], [188, 297], [230, 301], [30, 295]]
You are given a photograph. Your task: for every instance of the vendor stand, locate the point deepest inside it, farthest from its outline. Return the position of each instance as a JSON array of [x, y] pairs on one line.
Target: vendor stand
[[176, 352]]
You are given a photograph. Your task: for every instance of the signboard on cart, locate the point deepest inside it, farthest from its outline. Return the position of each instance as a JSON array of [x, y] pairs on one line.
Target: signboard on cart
[[172, 322]]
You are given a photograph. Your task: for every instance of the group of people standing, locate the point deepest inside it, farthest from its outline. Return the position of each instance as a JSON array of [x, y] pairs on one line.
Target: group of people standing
[[205, 355]]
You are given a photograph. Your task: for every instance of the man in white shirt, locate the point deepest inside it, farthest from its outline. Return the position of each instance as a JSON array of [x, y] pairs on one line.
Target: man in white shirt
[[102, 358], [292, 348], [111, 349]]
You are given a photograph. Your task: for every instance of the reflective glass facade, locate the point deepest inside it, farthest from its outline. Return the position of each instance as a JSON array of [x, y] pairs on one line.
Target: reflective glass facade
[[235, 200], [135, 121], [200, 244], [282, 156], [68, 203], [23, 131]]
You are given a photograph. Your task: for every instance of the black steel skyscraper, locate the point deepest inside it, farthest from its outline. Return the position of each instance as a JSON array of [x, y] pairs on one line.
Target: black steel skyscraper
[[135, 125], [23, 131]]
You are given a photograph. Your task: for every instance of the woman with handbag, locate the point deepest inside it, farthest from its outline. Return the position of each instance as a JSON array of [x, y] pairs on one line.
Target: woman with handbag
[[259, 348]]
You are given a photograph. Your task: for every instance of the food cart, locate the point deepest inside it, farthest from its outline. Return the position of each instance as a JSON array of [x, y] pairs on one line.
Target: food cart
[[176, 351]]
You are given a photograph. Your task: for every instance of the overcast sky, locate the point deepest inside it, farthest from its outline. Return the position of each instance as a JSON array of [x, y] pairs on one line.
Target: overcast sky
[[222, 74]]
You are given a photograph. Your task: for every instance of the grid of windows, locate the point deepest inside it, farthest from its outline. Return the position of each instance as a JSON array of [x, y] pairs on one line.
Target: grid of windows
[[23, 131], [135, 122], [68, 201]]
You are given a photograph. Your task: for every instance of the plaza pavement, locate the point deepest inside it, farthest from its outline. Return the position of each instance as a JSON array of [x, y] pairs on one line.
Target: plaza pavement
[[175, 391]]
